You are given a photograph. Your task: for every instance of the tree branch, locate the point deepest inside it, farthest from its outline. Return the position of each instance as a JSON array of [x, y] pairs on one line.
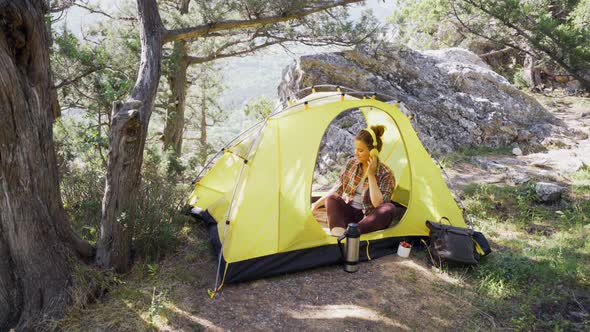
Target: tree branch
[[258, 33], [205, 29], [98, 11], [493, 53], [514, 46], [59, 6], [77, 78], [192, 60]]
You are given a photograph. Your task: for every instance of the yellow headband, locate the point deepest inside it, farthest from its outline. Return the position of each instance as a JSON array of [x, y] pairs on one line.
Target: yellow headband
[[370, 131]]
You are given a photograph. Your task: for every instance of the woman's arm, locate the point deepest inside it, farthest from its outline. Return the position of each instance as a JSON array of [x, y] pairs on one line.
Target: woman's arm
[[320, 202], [374, 191], [337, 189]]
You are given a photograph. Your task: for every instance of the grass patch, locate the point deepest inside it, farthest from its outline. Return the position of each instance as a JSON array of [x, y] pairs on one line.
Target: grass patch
[[466, 154], [151, 297], [538, 277]]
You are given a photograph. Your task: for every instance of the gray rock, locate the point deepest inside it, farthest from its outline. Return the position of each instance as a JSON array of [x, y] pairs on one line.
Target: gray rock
[[336, 147], [573, 86], [489, 164], [518, 178], [457, 100], [548, 192], [583, 153], [563, 161], [517, 152], [456, 54]]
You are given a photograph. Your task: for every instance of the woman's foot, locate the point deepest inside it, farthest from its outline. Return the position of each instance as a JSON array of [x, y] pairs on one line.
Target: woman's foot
[[337, 231]]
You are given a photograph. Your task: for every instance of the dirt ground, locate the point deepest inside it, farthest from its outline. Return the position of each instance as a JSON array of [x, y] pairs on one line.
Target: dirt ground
[[387, 294]]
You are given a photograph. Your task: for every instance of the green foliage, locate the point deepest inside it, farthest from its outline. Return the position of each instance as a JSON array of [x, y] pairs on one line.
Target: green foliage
[[538, 273], [204, 97], [259, 108], [485, 150], [555, 31], [425, 24], [174, 165], [157, 303], [97, 73], [334, 28], [551, 29], [80, 148], [465, 154], [518, 79], [159, 223]]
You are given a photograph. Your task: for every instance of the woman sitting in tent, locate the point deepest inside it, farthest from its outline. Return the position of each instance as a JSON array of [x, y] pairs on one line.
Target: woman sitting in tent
[[363, 192]]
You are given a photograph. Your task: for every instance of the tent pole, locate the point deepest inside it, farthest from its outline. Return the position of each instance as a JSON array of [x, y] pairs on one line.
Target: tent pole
[[210, 161]]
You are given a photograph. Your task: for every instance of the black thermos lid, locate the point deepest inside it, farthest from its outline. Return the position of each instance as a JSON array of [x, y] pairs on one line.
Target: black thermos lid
[[353, 230]]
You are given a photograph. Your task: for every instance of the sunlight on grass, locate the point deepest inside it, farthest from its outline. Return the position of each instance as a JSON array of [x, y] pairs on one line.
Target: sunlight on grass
[[466, 154], [423, 271], [207, 324], [343, 311], [540, 266], [166, 316]]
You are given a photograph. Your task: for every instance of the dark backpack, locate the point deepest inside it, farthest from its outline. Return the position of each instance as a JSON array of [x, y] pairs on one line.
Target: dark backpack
[[454, 244]]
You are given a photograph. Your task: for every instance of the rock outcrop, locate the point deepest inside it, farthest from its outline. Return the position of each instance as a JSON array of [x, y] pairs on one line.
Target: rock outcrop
[[456, 99], [548, 192]]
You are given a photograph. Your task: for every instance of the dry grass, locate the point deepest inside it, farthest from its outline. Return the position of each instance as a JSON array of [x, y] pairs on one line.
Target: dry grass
[[389, 293]]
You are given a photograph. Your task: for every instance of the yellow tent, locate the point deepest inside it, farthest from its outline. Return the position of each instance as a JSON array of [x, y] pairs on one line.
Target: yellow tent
[[256, 198]]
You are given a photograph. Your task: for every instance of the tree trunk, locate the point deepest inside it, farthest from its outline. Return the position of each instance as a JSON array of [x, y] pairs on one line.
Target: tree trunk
[[203, 138], [174, 127], [129, 127], [10, 295], [532, 74], [37, 244]]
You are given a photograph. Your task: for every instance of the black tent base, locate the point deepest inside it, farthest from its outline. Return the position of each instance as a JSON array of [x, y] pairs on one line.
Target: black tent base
[[293, 261]]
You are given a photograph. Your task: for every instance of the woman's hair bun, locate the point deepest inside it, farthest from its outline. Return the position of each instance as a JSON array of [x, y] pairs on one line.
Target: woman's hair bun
[[378, 130]]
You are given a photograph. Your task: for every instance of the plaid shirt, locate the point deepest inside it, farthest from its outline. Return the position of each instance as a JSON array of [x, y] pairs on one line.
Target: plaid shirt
[[351, 177]]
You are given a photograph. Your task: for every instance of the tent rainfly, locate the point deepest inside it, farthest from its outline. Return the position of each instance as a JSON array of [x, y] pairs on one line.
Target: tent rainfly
[[256, 198]]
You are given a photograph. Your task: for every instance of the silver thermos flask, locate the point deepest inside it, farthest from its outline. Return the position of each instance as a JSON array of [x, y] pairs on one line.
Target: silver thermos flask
[[351, 255]]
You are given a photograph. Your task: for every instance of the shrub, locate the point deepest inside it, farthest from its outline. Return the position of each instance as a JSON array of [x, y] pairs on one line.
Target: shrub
[[80, 151], [159, 223]]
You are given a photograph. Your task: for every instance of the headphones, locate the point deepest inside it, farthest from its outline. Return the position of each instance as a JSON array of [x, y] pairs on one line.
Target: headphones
[[374, 152]]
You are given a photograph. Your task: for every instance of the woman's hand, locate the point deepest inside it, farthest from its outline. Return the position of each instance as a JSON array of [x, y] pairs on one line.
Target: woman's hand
[[314, 206], [373, 163], [374, 192]]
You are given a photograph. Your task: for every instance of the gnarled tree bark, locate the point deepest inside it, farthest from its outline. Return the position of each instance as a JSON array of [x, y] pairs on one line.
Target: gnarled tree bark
[[10, 295], [203, 127], [37, 245], [129, 127], [531, 75], [174, 127]]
